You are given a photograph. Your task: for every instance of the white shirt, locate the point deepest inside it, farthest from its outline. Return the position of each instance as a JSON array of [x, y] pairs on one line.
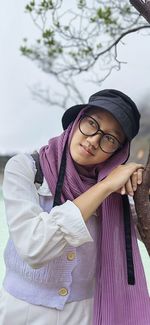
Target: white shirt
[[49, 232]]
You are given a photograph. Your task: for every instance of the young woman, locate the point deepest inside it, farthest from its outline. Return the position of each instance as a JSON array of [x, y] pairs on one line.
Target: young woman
[[72, 256]]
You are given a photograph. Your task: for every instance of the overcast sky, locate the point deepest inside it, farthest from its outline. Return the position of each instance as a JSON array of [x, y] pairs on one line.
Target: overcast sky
[[26, 124]]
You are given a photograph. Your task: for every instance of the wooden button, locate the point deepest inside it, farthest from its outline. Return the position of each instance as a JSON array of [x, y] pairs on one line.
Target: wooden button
[[71, 256], [63, 292]]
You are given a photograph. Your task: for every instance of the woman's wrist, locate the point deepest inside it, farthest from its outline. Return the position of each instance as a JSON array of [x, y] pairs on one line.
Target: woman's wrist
[[90, 200], [106, 186]]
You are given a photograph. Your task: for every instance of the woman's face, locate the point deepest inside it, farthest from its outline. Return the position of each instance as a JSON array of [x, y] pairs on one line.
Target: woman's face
[[85, 150]]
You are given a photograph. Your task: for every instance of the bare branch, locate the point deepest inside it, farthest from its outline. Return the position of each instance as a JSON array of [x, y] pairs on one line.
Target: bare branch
[[74, 41], [133, 30]]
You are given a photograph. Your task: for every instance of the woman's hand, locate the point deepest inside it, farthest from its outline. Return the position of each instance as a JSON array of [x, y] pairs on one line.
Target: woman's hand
[[131, 186], [124, 179]]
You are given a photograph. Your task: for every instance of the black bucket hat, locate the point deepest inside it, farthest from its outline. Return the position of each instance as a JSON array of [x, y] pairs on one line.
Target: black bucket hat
[[114, 101]]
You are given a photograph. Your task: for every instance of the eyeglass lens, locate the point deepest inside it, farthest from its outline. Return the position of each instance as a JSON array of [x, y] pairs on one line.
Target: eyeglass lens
[[89, 126]]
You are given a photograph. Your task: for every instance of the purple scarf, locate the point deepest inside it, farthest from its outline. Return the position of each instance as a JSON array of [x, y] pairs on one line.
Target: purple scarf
[[115, 302]]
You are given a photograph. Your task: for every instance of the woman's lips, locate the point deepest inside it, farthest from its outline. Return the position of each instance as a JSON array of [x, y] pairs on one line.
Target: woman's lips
[[86, 150]]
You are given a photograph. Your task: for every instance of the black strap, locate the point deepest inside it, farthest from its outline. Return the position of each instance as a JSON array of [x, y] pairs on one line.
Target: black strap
[[128, 240], [39, 173], [57, 197]]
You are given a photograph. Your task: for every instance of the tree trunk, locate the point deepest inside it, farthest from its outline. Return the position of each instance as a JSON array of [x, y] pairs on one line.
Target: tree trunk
[[143, 7], [142, 206]]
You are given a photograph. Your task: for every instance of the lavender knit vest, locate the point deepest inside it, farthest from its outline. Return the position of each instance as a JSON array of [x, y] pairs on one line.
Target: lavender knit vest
[[42, 286]]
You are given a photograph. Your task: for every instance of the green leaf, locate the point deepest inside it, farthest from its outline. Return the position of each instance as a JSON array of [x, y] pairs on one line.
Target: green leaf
[[47, 4], [28, 8], [105, 14], [25, 51], [48, 33], [32, 3]]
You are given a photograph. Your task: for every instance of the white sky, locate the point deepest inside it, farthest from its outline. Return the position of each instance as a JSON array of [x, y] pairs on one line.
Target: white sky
[[26, 124]]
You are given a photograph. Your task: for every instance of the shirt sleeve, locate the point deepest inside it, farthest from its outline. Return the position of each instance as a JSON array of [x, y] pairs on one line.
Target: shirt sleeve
[[38, 236]]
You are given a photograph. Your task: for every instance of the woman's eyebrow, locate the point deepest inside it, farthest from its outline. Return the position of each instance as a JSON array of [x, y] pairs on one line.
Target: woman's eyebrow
[[109, 131], [114, 131]]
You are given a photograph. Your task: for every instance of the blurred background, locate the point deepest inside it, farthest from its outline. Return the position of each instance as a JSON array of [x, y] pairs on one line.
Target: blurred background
[[29, 111]]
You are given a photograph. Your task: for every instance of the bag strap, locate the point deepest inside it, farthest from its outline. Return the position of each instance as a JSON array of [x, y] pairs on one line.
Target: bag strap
[[60, 181], [39, 174]]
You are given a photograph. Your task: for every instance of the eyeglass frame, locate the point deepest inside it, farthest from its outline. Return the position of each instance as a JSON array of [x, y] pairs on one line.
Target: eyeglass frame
[[99, 131]]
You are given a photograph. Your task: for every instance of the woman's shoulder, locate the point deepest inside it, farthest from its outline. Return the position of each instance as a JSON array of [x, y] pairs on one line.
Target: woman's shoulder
[[22, 162]]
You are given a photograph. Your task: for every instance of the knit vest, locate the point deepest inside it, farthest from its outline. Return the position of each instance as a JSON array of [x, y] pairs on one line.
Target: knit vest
[[69, 277]]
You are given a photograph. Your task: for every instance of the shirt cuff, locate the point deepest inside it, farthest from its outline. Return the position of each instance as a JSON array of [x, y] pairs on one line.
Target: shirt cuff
[[69, 218]]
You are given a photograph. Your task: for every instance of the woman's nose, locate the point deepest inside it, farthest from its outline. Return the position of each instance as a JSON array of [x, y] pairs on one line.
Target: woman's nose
[[94, 140]]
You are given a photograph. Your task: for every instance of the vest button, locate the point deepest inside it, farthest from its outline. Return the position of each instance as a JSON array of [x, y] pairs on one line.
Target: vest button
[[71, 256], [63, 292]]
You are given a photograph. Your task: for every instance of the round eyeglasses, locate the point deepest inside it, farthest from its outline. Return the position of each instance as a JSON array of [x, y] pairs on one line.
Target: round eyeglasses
[[89, 126]]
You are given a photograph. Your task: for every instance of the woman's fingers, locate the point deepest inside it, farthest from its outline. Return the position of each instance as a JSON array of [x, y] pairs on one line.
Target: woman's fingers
[[134, 180], [131, 185], [140, 175], [123, 190], [129, 188], [120, 175], [137, 178]]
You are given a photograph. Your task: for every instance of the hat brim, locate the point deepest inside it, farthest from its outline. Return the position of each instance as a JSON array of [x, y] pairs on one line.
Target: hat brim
[[71, 114]]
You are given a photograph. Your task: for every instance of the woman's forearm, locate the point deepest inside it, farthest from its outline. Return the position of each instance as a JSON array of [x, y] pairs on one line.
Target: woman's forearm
[[90, 200]]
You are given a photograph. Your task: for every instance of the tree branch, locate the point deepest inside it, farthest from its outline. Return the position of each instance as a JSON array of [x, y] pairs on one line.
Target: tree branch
[[119, 39]]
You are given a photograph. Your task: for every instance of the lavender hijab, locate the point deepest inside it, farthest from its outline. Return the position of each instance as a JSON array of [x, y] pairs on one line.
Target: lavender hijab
[[115, 301]]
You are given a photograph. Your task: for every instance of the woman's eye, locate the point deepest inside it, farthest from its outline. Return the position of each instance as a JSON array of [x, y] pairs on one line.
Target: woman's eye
[[91, 123], [110, 139]]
